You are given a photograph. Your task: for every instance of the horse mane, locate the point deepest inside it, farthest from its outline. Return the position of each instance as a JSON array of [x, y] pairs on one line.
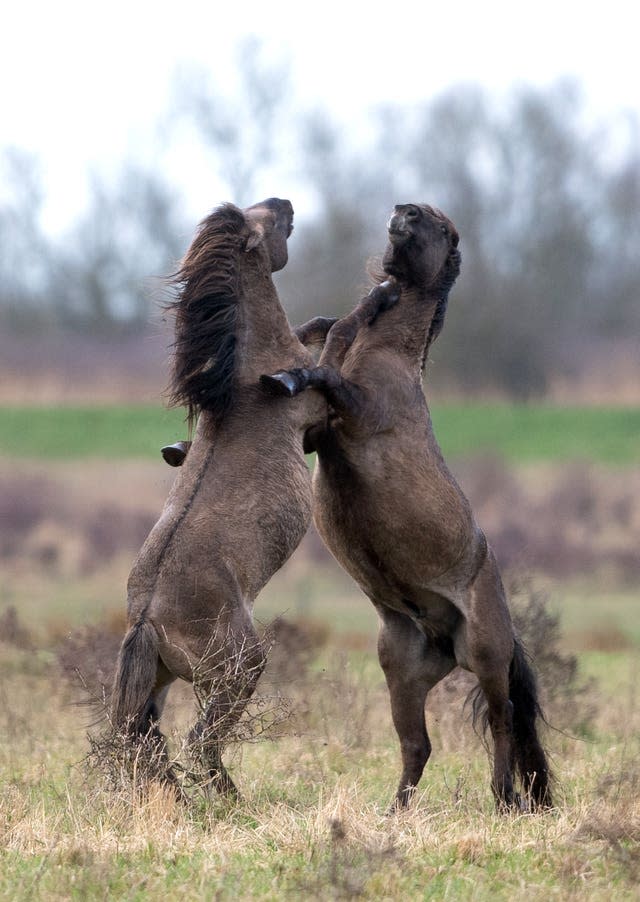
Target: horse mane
[[205, 307], [448, 275]]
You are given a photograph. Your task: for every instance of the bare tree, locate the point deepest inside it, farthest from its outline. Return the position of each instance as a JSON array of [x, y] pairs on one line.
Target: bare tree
[[519, 183], [240, 132], [131, 233], [25, 251]]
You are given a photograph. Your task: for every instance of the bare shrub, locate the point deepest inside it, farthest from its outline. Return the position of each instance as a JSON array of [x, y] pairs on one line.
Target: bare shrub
[[293, 646], [13, 631], [87, 656], [569, 699], [223, 679], [24, 504], [228, 712], [123, 765]]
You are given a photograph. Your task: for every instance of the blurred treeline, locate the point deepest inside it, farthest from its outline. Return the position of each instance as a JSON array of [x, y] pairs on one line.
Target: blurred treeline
[[547, 204]]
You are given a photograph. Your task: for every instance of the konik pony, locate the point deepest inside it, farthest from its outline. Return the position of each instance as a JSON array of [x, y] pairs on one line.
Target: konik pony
[[393, 515], [242, 501]]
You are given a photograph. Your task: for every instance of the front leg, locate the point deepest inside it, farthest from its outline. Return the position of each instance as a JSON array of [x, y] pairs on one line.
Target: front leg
[[349, 401], [343, 334], [314, 330]]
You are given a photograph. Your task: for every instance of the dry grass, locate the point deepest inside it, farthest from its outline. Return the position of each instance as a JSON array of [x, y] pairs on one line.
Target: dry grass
[[69, 521], [311, 822]]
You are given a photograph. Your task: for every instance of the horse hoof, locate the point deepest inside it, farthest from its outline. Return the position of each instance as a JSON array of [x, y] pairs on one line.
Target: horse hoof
[[174, 455], [283, 384]]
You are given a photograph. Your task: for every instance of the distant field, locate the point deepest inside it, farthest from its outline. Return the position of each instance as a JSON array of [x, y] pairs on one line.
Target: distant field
[[518, 433]]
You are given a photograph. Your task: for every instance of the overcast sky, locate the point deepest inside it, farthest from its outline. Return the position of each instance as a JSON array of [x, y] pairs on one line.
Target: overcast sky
[[85, 84]]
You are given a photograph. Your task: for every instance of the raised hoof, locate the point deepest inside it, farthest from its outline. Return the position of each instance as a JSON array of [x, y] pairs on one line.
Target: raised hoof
[[174, 455], [283, 384]]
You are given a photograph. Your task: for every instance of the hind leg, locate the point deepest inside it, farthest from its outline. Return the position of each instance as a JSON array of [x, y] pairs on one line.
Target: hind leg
[[412, 666], [237, 666], [485, 645], [493, 678], [148, 743]]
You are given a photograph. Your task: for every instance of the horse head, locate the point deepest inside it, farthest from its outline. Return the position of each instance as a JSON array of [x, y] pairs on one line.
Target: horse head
[[270, 224], [423, 248]]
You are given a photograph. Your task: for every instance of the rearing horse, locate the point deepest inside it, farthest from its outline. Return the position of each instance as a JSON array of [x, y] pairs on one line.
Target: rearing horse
[[392, 514], [242, 501]]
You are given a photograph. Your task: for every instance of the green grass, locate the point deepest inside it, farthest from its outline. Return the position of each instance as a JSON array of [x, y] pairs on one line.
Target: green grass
[[527, 433], [81, 432], [517, 432]]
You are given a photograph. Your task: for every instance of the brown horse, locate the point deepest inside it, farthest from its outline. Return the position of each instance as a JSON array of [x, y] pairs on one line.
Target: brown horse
[[241, 504], [391, 512]]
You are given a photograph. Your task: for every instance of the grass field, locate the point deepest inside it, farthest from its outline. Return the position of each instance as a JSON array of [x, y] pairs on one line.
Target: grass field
[[518, 433], [311, 823]]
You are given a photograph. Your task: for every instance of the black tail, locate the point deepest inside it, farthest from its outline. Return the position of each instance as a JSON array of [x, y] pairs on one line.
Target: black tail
[[530, 759], [135, 679]]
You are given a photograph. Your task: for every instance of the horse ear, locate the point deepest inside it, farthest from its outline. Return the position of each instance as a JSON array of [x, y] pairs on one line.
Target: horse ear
[[256, 235]]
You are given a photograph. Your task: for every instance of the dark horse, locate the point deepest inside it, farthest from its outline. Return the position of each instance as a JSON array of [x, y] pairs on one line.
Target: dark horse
[[242, 501], [391, 512]]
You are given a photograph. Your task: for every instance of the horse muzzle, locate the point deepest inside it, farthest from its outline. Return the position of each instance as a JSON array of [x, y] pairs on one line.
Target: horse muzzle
[[399, 230]]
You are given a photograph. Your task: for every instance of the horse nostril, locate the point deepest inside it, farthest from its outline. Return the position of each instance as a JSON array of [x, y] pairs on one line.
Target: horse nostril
[[412, 212]]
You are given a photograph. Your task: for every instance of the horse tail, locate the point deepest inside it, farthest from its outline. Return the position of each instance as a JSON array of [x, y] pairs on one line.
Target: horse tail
[[136, 671], [530, 758]]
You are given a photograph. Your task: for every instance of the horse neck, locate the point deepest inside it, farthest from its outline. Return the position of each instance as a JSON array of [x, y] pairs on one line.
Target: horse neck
[[405, 327], [263, 331]]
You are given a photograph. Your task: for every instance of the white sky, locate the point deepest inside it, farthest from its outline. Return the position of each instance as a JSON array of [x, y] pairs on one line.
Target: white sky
[[83, 84]]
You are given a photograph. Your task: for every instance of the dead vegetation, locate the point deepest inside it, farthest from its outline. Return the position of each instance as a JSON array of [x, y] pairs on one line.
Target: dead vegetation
[[312, 678], [310, 822], [563, 521], [314, 788]]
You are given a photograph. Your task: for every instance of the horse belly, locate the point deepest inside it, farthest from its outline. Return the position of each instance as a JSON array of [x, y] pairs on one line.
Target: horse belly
[[341, 522], [385, 535], [262, 521]]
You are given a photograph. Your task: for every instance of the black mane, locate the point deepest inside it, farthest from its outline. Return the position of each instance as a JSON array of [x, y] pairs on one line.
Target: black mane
[[205, 309]]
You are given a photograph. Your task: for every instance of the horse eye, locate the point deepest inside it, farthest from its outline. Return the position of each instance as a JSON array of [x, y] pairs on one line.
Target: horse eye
[[444, 230]]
